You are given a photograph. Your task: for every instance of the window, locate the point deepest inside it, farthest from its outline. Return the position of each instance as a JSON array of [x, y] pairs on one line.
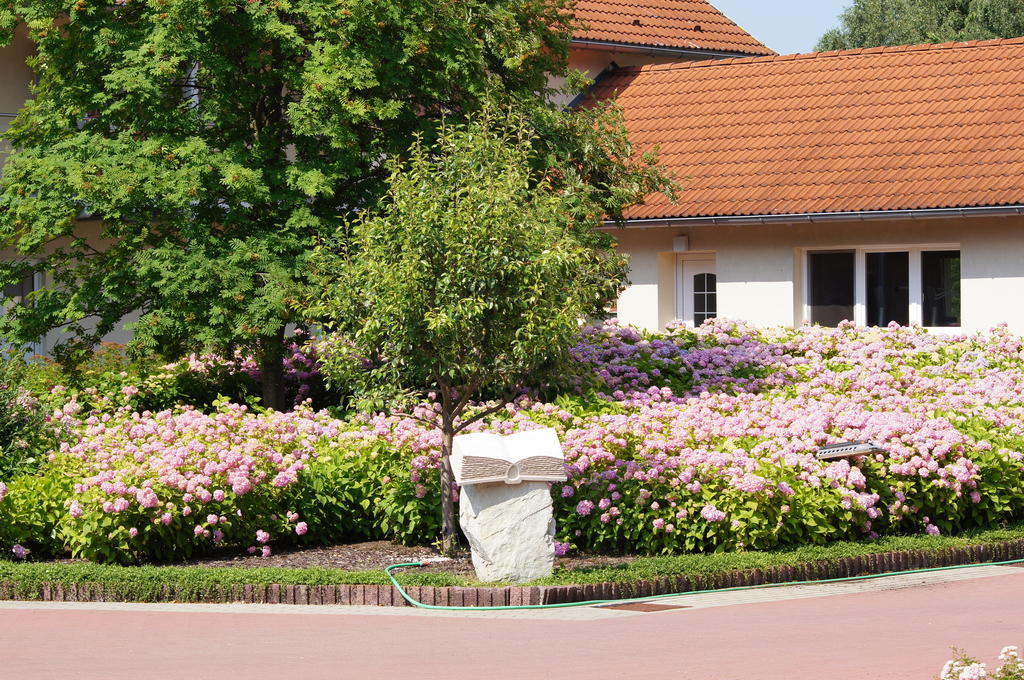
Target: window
[[888, 284], [705, 297], [18, 291], [940, 288], [831, 287], [879, 286]]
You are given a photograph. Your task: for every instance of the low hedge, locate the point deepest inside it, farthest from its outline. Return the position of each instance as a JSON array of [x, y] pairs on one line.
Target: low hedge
[[26, 580], [651, 568]]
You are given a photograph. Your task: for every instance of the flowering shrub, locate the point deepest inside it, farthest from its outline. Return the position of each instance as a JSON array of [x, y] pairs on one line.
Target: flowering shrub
[[111, 378], [24, 434], [159, 486], [364, 488], [690, 440], [729, 462], [637, 367], [963, 667]]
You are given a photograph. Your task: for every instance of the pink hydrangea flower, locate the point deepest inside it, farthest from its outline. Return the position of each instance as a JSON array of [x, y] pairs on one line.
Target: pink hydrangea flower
[[712, 514]]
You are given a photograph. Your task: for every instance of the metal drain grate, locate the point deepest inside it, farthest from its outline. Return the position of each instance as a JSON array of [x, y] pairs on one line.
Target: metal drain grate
[[643, 607]]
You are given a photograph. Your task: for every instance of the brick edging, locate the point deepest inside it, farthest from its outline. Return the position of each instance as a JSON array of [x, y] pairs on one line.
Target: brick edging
[[388, 596]]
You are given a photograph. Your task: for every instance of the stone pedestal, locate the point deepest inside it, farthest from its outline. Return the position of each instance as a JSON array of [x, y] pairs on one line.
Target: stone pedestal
[[511, 529]]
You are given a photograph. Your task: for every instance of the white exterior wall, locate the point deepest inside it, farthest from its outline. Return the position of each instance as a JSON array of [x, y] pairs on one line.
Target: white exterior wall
[[760, 267]]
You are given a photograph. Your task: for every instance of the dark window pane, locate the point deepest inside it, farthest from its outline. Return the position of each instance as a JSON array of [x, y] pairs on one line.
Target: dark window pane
[[18, 291], [831, 287], [940, 288], [704, 298], [888, 281]]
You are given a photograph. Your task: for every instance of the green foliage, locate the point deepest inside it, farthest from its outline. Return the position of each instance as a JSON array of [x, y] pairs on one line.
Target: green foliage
[[873, 23], [361, 490], [471, 277], [31, 511], [212, 143], [110, 377]]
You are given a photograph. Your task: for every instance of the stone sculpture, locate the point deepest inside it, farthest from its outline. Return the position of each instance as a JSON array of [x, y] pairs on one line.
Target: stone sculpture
[[505, 504]]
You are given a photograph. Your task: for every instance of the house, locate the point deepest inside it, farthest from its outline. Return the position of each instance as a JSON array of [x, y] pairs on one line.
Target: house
[[880, 185], [873, 185]]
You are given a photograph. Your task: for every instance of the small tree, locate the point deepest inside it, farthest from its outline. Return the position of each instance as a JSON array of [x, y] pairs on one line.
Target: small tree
[[470, 279]]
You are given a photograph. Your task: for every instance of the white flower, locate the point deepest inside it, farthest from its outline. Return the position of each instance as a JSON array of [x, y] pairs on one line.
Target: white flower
[[976, 671]]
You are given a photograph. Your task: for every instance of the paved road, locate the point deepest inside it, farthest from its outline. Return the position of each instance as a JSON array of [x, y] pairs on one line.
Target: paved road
[[885, 629]]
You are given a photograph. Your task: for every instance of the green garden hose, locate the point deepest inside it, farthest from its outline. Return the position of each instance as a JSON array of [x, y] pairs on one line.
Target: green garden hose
[[590, 603]]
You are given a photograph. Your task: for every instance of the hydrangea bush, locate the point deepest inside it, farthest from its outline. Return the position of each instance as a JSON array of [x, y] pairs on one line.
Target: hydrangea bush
[[728, 461], [161, 486], [963, 667], [687, 440]]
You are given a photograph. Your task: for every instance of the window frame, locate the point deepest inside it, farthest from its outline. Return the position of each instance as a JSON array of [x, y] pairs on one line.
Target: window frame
[[693, 257], [860, 291]]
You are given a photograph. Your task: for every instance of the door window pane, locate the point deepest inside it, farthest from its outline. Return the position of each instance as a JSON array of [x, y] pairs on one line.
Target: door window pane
[[888, 282], [831, 287], [705, 294], [940, 287]]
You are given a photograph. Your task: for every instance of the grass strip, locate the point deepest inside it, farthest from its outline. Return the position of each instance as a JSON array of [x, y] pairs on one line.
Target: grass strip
[[192, 584], [199, 584]]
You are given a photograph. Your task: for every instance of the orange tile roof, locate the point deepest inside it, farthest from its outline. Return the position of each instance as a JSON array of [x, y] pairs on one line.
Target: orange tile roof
[[898, 128], [681, 24]]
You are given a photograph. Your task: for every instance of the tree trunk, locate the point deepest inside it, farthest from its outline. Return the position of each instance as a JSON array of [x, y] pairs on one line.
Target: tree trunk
[[272, 371], [449, 531]]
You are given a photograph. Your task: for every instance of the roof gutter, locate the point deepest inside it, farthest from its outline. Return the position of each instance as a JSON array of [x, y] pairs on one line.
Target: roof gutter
[[659, 51], [853, 216]]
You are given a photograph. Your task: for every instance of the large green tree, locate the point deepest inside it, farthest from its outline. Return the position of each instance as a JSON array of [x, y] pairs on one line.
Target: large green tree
[[471, 278], [873, 23], [179, 158]]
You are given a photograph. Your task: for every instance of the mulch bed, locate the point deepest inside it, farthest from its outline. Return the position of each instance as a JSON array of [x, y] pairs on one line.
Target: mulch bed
[[375, 555]]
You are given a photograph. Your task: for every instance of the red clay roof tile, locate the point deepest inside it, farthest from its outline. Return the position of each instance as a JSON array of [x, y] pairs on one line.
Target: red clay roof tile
[[911, 127], [680, 24]]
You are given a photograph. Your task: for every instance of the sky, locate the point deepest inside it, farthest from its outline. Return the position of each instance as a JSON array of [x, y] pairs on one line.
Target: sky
[[786, 26]]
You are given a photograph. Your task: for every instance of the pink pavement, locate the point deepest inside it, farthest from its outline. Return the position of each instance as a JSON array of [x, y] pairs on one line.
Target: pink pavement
[[888, 635]]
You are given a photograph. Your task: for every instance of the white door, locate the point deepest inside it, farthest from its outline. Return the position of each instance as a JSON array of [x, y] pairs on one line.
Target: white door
[[699, 291]]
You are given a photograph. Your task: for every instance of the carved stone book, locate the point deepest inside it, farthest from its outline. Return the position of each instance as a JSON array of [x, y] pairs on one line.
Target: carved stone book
[[530, 456]]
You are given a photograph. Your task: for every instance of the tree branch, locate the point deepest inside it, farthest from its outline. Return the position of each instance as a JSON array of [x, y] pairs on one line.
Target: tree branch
[[483, 414]]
